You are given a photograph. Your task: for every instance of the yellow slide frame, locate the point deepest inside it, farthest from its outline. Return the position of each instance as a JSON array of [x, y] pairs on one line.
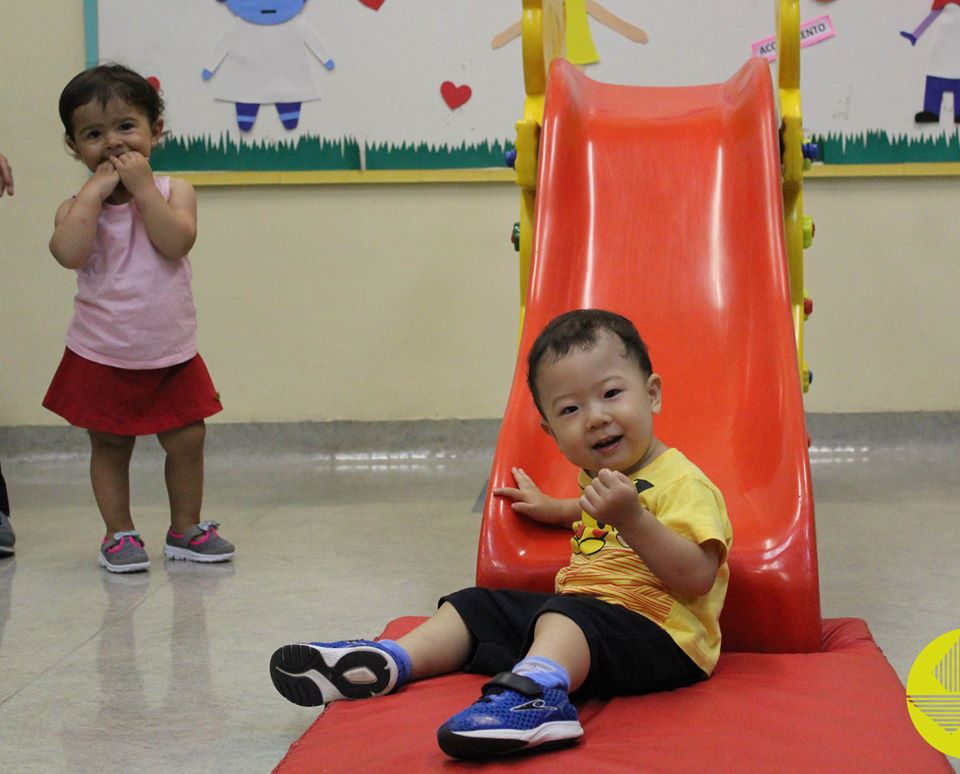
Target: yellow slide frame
[[798, 228]]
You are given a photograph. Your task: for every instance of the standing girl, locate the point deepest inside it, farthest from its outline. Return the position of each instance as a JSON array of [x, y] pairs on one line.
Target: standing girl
[[131, 365]]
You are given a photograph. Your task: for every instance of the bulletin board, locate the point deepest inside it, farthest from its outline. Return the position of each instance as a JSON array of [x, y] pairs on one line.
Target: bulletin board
[[433, 88]]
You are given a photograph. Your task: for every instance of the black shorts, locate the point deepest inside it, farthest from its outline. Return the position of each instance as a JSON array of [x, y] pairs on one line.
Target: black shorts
[[629, 653]]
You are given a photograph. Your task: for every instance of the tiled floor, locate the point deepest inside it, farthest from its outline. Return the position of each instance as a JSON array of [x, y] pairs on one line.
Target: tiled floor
[[166, 671]]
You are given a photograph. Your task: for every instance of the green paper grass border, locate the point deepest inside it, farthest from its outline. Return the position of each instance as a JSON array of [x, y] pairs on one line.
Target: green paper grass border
[[879, 147], [313, 153]]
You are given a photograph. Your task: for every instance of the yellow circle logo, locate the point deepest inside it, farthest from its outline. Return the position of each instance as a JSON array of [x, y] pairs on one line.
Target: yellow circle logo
[[933, 693]]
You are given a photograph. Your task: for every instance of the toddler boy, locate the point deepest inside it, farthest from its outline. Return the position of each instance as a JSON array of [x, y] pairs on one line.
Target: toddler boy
[[636, 610]]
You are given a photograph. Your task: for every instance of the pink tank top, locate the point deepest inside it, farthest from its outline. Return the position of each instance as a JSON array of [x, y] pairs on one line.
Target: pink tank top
[[134, 307]]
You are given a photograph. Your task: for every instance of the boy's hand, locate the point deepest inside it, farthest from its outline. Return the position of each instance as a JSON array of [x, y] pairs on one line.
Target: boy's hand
[[611, 498], [530, 501], [134, 170]]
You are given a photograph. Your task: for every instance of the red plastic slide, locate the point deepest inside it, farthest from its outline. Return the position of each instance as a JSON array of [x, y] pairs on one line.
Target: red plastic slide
[[664, 204]]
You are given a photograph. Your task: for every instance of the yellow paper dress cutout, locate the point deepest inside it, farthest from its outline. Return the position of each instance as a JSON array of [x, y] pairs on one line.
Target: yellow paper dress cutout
[[580, 48]]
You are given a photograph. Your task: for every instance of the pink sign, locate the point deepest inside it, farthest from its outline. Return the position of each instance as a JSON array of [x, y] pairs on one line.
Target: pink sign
[[811, 32]]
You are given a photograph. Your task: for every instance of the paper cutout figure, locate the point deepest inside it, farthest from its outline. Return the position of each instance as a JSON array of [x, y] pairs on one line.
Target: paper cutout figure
[[580, 48], [944, 68], [262, 60], [454, 95]]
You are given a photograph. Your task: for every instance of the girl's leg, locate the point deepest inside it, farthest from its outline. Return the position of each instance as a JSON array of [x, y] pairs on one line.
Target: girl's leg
[[183, 471], [110, 475], [440, 644]]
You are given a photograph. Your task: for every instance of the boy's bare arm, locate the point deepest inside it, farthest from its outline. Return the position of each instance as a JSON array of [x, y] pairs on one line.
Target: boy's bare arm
[[530, 501], [687, 568]]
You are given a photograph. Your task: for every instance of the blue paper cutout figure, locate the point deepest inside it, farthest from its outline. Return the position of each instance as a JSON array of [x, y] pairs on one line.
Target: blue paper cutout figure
[[262, 60], [944, 68]]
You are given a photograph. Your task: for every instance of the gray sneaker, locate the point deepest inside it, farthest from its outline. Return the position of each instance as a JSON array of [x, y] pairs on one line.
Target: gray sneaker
[[123, 552], [7, 538], [200, 543]]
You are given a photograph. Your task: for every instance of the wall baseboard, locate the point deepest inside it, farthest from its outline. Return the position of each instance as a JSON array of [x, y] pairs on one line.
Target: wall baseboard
[[885, 428], [465, 436], [476, 436]]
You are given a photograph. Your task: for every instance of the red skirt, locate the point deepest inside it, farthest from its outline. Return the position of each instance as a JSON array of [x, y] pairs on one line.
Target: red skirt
[[123, 401]]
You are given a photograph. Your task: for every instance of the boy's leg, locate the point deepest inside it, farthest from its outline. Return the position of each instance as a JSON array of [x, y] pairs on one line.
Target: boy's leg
[[558, 639], [317, 673], [569, 648], [183, 471], [528, 706], [440, 645]]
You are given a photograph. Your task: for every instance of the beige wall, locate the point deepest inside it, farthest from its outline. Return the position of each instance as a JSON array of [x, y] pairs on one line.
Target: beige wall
[[884, 273], [400, 302]]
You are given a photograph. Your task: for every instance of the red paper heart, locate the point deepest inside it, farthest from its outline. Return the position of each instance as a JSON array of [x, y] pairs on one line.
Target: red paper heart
[[374, 4], [454, 95]]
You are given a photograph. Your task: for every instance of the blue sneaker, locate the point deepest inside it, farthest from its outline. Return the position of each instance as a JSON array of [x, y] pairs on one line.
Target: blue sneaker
[[314, 673], [514, 714]]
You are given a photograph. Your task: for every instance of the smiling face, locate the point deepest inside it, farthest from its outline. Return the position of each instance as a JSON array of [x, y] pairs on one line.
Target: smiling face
[[598, 405], [266, 11], [100, 131]]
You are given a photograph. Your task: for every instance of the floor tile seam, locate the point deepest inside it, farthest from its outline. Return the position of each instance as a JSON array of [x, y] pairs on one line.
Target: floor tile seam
[[99, 632], [52, 666]]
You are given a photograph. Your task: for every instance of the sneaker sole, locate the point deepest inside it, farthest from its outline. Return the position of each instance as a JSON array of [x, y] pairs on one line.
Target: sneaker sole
[[138, 567], [310, 676], [185, 554], [479, 745]]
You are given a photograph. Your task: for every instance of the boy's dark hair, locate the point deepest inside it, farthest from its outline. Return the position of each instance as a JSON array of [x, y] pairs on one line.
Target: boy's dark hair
[[104, 83], [580, 329]]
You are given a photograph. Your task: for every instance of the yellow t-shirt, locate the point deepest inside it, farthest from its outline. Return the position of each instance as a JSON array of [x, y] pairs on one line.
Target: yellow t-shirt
[[603, 566]]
